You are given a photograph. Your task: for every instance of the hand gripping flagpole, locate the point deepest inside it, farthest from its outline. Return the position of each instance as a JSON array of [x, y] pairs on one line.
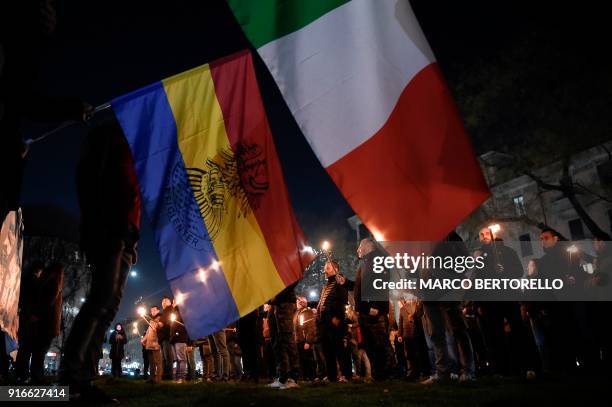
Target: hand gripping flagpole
[[68, 123]]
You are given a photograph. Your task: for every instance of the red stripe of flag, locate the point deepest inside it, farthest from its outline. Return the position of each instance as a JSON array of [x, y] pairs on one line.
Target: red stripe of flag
[[247, 127]]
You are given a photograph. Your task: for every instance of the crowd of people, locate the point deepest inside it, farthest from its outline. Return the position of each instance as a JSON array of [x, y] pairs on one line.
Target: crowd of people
[[347, 336]]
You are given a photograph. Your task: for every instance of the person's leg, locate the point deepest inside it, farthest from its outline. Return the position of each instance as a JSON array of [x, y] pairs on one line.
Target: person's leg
[[216, 357], [159, 367], [145, 362], [222, 355], [40, 345], [288, 338], [191, 365], [329, 352], [464, 345], [168, 359], [364, 361], [111, 264], [341, 352], [208, 363], [413, 366], [247, 339], [377, 346], [437, 332], [151, 364], [22, 365], [181, 360], [320, 360]]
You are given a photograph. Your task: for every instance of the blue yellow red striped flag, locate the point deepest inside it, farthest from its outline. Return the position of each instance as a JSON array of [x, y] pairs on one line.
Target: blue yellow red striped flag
[[214, 190]]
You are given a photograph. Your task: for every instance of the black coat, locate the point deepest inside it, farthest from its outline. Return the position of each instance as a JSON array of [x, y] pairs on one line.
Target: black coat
[[47, 303], [117, 341], [500, 254], [363, 290], [332, 302], [178, 333]]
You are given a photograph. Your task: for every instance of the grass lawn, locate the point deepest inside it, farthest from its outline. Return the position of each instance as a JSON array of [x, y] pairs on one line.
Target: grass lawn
[[486, 392]]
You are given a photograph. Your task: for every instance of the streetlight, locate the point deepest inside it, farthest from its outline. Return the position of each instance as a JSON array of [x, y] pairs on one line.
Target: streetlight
[[133, 273], [325, 246], [312, 294]]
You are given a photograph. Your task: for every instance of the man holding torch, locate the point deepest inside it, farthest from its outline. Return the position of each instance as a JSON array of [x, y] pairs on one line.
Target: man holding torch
[[151, 344]]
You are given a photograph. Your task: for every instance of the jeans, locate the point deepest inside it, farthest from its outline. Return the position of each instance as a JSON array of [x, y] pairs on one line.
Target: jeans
[[222, 355], [180, 355], [208, 363], [155, 365], [440, 317], [285, 349], [375, 331], [191, 364], [110, 262], [168, 358]]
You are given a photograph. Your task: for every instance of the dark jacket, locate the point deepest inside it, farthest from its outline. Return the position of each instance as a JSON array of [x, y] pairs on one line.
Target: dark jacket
[[332, 301], [163, 334], [410, 325], [305, 326], [47, 306], [108, 190], [363, 286], [117, 342], [556, 264], [496, 254], [178, 332]]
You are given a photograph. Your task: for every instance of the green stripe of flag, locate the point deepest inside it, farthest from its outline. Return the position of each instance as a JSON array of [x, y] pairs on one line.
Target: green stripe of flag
[[266, 20]]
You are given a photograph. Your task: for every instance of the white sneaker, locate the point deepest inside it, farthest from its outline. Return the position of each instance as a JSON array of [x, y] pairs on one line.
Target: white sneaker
[[276, 384], [342, 379], [454, 377], [290, 384]]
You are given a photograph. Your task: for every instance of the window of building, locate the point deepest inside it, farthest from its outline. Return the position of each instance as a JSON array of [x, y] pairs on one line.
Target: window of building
[[526, 247], [576, 229], [519, 205]]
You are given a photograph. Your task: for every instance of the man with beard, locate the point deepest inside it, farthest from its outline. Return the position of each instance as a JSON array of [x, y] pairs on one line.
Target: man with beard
[[331, 323], [373, 309], [568, 330], [501, 261]]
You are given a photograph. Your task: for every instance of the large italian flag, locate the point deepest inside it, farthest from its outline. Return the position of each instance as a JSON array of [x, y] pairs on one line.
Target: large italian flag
[[367, 93]]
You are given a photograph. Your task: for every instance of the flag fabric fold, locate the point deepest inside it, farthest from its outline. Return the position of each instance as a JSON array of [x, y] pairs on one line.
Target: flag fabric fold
[[363, 85], [214, 191]]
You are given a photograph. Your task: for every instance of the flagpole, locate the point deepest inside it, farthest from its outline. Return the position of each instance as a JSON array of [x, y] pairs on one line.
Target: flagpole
[[67, 123]]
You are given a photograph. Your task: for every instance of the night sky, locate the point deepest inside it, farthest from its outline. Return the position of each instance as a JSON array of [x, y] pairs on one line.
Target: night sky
[[103, 49]]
